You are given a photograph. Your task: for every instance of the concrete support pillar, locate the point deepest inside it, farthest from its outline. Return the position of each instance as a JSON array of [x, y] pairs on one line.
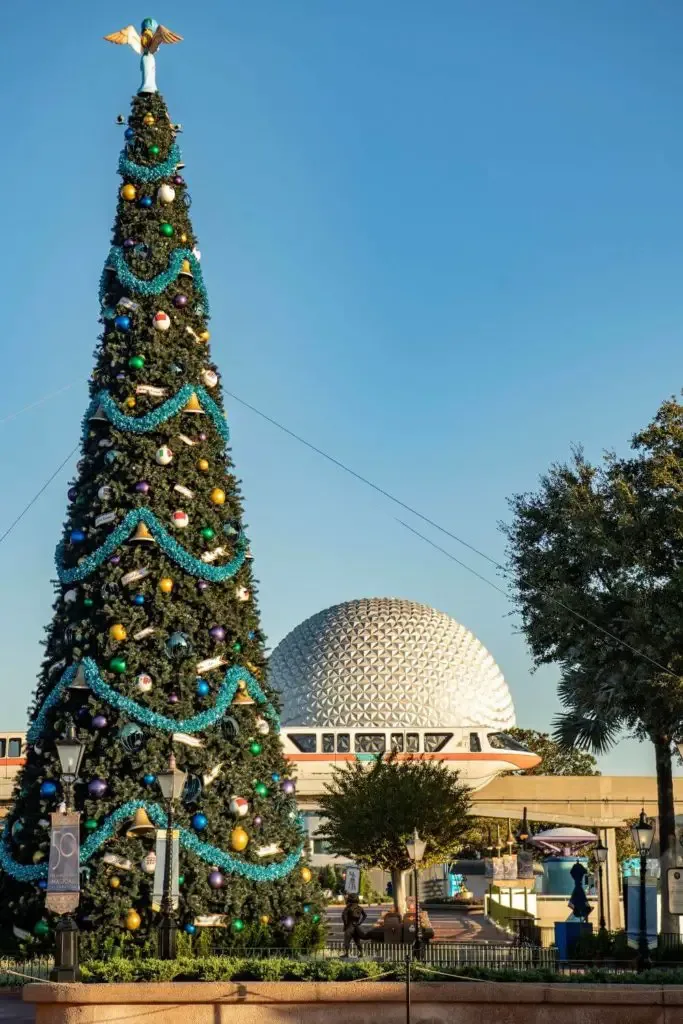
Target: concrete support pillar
[[613, 905]]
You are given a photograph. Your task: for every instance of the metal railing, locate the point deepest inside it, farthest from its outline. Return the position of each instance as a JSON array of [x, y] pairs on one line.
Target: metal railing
[[16, 970]]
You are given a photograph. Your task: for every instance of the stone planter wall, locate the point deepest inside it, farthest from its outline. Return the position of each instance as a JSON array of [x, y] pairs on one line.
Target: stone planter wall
[[354, 1002]]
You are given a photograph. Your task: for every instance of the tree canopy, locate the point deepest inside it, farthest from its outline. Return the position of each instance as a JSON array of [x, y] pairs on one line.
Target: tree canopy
[[557, 759]]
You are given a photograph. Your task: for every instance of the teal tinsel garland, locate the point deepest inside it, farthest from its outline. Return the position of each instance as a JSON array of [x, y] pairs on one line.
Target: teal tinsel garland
[[139, 172], [116, 261], [141, 714], [170, 546], [151, 420], [208, 853]]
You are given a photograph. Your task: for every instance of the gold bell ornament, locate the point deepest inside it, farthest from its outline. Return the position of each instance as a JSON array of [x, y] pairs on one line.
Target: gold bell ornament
[[148, 119], [193, 405], [142, 534], [98, 415], [185, 269], [142, 827], [242, 694], [79, 682]]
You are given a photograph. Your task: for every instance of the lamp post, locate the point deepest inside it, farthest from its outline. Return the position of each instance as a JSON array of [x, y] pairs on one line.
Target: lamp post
[[171, 783], [643, 834], [416, 848], [65, 840], [601, 852]]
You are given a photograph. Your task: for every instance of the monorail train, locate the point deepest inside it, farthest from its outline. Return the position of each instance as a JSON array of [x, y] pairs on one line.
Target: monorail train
[[12, 753], [477, 754]]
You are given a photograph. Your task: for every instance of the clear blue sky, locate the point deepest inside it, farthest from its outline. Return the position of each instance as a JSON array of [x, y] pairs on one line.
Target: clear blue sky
[[442, 239]]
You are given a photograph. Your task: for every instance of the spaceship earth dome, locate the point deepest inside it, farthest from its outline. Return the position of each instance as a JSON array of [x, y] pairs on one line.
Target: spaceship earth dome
[[387, 663]]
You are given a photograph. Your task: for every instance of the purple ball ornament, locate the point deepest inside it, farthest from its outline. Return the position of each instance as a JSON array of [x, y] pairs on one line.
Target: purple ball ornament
[[288, 787], [258, 821], [202, 437], [115, 559], [129, 243], [173, 698], [287, 923], [180, 301], [217, 633], [72, 494], [202, 585], [142, 487], [99, 722], [178, 180], [216, 879], [97, 788]]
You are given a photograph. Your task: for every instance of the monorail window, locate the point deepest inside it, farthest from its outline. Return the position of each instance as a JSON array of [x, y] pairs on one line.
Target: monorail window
[[475, 743], [343, 743], [328, 743], [304, 741], [14, 748], [3, 748], [436, 741], [501, 741], [321, 846], [412, 743], [397, 742], [370, 743]]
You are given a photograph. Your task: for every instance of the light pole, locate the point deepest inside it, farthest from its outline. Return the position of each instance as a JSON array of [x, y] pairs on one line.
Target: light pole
[[70, 752], [416, 848], [601, 852], [171, 783], [643, 834]]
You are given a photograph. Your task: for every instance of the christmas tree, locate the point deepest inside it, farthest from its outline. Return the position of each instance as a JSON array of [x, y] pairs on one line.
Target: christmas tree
[[156, 645]]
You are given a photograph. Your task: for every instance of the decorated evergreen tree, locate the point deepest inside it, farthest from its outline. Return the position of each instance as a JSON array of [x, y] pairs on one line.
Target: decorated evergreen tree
[[156, 644]]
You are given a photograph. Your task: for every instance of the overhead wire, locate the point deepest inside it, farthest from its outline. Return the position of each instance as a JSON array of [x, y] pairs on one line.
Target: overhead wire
[[38, 493]]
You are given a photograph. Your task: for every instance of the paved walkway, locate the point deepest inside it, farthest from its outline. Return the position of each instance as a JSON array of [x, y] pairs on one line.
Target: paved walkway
[[449, 924], [12, 1008]]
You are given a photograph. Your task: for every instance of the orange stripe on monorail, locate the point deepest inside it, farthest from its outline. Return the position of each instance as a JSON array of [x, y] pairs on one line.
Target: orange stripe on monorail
[[518, 759], [11, 762]]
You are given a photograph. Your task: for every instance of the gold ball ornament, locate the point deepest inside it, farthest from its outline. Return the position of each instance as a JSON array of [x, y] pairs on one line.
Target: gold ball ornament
[[117, 631], [203, 464], [183, 237], [114, 882], [264, 919], [166, 585], [128, 192], [239, 839], [39, 855], [133, 920], [306, 874], [217, 496], [130, 402], [204, 335], [148, 119]]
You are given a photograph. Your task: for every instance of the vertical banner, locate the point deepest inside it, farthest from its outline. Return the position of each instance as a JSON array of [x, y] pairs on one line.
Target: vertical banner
[[525, 864], [497, 869], [488, 867], [509, 867], [160, 869], [633, 912], [352, 880], [63, 870]]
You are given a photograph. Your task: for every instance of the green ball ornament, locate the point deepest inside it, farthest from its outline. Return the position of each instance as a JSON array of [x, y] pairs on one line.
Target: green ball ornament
[[166, 230], [90, 824], [136, 362], [237, 647], [237, 925], [208, 533], [181, 879], [153, 151], [261, 789], [118, 665], [315, 918], [88, 602], [255, 748], [41, 929]]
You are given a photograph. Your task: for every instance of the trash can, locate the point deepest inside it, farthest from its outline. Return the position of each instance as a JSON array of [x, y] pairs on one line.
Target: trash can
[[567, 933]]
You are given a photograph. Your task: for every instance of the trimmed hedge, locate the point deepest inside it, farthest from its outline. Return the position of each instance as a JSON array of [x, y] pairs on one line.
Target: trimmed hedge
[[221, 968]]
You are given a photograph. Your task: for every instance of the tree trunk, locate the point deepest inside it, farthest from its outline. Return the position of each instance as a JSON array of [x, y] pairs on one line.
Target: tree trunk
[[398, 884], [667, 826]]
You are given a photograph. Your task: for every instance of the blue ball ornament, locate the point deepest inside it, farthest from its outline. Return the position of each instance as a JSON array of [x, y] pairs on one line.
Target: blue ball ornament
[[139, 599], [307, 908], [111, 456], [149, 779], [48, 788], [189, 928], [203, 688], [77, 536], [275, 777], [129, 134], [199, 822], [251, 634], [122, 323], [42, 883], [145, 202]]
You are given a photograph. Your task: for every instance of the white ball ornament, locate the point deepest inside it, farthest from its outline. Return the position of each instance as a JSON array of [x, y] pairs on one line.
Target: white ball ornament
[[70, 596], [166, 194], [144, 682], [209, 378], [262, 726], [164, 455], [161, 321], [242, 594], [149, 863], [239, 806], [180, 519], [196, 253], [104, 493]]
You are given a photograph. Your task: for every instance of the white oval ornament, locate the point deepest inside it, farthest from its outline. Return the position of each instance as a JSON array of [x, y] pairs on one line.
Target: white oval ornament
[[180, 519], [104, 493], [166, 194], [144, 682], [262, 726], [239, 806], [70, 596], [149, 863], [163, 455], [209, 378], [162, 321]]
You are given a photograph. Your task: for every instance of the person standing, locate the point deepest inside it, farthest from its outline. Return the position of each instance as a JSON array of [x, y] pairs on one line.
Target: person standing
[[353, 917]]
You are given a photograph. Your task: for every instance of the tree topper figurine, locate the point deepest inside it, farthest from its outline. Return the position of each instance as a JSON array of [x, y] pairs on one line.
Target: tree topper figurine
[[147, 43]]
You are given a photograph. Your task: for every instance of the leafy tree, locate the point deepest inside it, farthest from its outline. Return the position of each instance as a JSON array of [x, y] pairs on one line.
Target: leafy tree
[[370, 813], [596, 557], [155, 614], [557, 759]]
